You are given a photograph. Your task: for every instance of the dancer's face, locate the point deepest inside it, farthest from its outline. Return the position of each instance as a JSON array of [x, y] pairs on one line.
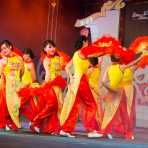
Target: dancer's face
[[6, 50], [49, 49], [26, 57]]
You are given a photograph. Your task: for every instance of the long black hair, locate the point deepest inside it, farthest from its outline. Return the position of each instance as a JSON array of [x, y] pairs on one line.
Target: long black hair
[[79, 43], [28, 51], [115, 58], [94, 61]]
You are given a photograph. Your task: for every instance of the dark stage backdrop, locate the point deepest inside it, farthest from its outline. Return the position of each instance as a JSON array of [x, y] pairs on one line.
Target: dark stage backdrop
[[136, 21], [24, 22]]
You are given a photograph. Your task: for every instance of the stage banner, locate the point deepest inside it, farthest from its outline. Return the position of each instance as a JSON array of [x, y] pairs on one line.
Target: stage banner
[[108, 25]]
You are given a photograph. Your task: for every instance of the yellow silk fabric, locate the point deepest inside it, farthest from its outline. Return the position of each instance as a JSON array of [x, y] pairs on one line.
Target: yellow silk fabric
[[127, 83], [80, 67], [54, 67], [26, 78], [12, 73], [115, 76], [94, 77]]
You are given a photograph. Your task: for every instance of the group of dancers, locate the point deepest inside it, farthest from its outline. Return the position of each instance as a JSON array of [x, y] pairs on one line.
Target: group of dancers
[[55, 105]]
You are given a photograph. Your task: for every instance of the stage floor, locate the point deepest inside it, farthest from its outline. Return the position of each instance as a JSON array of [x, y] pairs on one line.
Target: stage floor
[[25, 139]]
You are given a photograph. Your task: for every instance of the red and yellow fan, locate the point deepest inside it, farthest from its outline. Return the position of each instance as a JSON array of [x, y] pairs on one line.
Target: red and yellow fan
[[108, 45], [140, 44]]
